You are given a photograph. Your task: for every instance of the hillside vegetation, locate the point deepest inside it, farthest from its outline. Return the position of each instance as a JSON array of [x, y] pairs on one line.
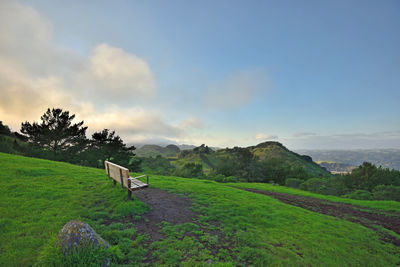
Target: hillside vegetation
[[231, 227], [264, 162], [155, 150]]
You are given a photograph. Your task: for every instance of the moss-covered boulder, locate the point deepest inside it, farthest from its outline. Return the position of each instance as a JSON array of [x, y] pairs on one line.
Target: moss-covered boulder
[[77, 234]]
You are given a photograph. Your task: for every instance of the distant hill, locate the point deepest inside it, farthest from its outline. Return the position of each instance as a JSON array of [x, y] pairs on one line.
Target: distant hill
[[387, 158], [186, 147], [155, 150], [336, 167], [263, 152]]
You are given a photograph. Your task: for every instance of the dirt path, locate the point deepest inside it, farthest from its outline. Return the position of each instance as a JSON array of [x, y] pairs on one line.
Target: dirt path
[[363, 215], [165, 206]]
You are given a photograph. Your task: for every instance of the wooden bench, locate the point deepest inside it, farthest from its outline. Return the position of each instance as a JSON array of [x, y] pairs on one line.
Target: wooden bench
[[121, 175]]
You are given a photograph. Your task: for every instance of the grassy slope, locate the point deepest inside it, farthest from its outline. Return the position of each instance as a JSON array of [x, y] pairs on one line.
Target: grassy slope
[[384, 205], [7, 143], [275, 151], [195, 158], [37, 197]]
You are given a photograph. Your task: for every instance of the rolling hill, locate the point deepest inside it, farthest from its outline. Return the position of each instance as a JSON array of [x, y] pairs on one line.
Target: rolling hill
[[336, 166], [180, 222], [263, 152], [155, 150]]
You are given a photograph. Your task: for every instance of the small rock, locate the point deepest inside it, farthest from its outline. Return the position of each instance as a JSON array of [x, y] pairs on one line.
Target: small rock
[[79, 234]]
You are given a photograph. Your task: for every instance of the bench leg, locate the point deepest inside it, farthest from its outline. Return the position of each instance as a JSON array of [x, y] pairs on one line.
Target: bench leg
[[129, 195], [115, 182]]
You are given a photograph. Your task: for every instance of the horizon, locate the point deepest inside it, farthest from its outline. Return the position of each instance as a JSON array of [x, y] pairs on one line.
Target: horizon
[[139, 145], [312, 76]]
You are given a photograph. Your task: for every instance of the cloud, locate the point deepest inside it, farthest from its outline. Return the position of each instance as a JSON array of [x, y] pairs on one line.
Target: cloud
[[25, 97], [302, 134], [117, 74], [192, 123], [36, 73], [131, 122], [264, 136], [26, 40], [387, 139], [236, 90]]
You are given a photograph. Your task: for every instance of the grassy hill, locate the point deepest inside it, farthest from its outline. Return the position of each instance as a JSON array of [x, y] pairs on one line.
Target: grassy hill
[[269, 150], [155, 150], [229, 227], [261, 152]]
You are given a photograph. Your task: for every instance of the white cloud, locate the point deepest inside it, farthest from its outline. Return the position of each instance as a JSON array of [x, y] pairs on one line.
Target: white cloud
[[264, 137], [36, 73], [236, 90], [131, 122], [192, 123], [117, 74], [25, 97], [303, 134], [389, 139]]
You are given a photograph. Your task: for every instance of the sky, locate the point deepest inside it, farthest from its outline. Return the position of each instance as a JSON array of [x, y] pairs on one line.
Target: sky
[[309, 74]]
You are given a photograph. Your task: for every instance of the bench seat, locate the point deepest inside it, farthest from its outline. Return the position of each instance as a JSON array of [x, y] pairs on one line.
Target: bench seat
[[121, 175]]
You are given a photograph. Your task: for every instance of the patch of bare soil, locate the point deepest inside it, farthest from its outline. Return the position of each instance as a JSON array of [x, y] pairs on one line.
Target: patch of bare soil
[[165, 206], [363, 215], [174, 209]]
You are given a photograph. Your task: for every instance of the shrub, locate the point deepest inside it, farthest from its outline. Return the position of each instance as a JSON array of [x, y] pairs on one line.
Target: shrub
[[316, 185], [293, 182], [190, 170], [225, 179], [387, 192], [360, 195]]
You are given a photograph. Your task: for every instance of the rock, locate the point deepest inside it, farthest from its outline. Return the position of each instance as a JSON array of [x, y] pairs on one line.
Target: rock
[[79, 234]]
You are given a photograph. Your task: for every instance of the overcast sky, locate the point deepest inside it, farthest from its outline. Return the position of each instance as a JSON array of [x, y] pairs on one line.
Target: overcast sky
[[309, 74]]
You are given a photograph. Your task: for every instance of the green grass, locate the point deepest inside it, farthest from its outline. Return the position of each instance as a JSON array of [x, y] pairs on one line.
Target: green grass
[[37, 197], [195, 158], [381, 204]]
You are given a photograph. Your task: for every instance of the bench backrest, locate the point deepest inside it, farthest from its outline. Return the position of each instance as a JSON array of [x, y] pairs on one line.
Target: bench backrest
[[118, 173]]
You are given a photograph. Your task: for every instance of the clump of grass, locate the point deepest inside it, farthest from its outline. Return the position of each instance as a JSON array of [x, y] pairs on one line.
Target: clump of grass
[[52, 256]]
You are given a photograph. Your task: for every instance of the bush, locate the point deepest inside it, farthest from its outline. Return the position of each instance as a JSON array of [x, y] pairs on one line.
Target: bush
[[387, 192], [293, 182], [190, 170], [225, 179], [360, 195], [316, 185]]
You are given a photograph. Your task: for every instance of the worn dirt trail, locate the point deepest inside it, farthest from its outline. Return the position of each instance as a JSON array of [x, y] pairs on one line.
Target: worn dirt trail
[[365, 216], [165, 206]]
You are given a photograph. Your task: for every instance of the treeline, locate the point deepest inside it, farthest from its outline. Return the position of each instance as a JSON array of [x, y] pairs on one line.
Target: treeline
[[56, 137], [367, 182]]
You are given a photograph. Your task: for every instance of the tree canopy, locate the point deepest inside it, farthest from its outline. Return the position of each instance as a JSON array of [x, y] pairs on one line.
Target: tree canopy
[[106, 145], [56, 131], [4, 129]]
